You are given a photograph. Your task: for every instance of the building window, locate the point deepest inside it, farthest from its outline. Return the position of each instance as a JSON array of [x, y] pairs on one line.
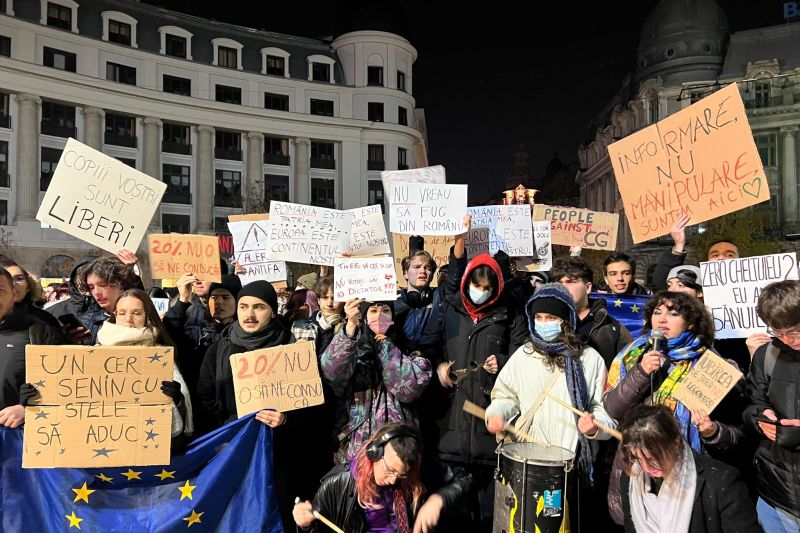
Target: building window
[[59, 16], [761, 98], [178, 180], [58, 59], [119, 32], [767, 146], [3, 212], [50, 157], [174, 223], [176, 85], [375, 193], [276, 151], [375, 111], [5, 46], [227, 57], [402, 159], [278, 102], [375, 76], [276, 188], [228, 145], [120, 73], [230, 95], [402, 116], [320, 72], [323, 193], [176, 139], [221, 227], [175, 46], [322, 155], [401, 81], [652, 108], [321, 107], [58, 120], [120, 130], [5, 120], [127, 161], [696, 96], [228, 188], [375, 160], [4, 181], [276, 65]]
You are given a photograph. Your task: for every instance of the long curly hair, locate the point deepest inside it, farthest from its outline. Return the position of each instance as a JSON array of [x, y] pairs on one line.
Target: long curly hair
[[698, 320]]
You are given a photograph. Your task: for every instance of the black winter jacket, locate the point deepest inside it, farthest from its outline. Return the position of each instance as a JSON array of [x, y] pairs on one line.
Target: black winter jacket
[[606, 334], [499, 332], [777, 463], [721, 501]]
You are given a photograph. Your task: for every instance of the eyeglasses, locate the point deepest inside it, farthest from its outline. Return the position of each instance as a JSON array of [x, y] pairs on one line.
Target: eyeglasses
[[136, 313], [793, 334], [391, 473], [20, 278]]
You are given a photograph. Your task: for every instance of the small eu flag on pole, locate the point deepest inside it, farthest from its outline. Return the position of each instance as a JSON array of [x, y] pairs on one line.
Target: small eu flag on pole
[[628, 309]]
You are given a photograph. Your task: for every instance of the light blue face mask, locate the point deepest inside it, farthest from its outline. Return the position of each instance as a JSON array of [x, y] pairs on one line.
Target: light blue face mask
[[548, 331], [477, 295]]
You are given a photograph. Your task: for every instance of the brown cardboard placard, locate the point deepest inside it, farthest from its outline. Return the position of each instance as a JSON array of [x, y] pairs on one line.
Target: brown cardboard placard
[[252, 217], [573, 226], [701, 160], [438, 247], [283, 378], [174, 254], [707, 383]]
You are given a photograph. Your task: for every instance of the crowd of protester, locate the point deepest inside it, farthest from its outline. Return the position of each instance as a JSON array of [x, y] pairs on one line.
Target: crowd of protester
[[391, 448]]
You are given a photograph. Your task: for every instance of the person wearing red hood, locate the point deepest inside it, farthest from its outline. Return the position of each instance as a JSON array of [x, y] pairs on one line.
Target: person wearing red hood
[[480, 331]]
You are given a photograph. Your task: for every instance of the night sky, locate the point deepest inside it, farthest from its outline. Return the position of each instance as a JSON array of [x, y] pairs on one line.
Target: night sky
[[498, 76]]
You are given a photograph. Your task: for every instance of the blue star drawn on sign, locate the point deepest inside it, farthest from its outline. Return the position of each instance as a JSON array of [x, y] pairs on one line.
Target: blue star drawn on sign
[[39, 383], [151, 435], [41, 414], [102, 451], [149, 422], [155, 357]]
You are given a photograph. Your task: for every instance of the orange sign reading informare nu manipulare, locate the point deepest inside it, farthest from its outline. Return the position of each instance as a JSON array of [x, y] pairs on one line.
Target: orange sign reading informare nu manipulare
[[701, 160]]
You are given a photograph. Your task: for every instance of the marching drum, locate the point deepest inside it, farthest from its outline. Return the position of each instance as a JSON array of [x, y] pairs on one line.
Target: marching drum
[[531, 488]]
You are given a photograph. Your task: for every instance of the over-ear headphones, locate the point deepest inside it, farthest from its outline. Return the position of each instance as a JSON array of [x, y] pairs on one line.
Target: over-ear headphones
[[375, 450], [419, 299]]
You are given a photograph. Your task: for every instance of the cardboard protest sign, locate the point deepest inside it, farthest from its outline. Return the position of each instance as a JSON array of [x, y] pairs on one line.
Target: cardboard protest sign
[[544, 250], [437, 246], [307, 234], [572, 226], [100, 200], [98, 406], [500, 227], [434, 174], [283, 378], [701, 160], [707, 383], [174, 254], [368, 234], [427, 209], [371, 278], [250, 251], [731, 288]]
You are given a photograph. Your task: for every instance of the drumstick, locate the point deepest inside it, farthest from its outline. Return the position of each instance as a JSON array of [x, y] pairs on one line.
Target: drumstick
[[479, 412], [321, 518], [611, 431]]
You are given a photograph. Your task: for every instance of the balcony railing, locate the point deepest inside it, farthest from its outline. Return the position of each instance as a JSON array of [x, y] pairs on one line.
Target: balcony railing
[[227, 153], [173, 147], [175, 197], [276, 159], [57, 130], [402, 166], [121, 140], [318, 162], [227, 201], [376, 165]]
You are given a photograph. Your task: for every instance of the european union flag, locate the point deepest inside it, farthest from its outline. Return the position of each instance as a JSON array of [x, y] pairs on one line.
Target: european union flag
[[222, 483], [628, 309]]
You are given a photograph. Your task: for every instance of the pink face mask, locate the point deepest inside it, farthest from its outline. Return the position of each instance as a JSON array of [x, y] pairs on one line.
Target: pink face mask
[[380, 324]]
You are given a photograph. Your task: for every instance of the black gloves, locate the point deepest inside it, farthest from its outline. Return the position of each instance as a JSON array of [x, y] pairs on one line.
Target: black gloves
[[173, 390], [27, 392]]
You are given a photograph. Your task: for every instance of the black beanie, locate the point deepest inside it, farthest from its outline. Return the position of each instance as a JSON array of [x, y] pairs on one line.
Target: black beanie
[[551, 306], [232, 284], [262, 290]]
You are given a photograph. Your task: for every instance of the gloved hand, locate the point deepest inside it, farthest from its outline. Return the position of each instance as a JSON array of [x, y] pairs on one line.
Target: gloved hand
[[173, 390], [27, 392]]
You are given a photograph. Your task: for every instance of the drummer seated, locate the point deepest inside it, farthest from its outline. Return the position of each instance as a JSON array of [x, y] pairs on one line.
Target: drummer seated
[[382, 489]]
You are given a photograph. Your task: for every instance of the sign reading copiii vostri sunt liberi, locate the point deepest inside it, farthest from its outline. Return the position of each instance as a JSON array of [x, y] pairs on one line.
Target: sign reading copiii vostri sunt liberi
[[100, 200], [701, 161]]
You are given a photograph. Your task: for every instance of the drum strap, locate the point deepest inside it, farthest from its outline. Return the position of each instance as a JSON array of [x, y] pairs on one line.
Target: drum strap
[[524, 422]]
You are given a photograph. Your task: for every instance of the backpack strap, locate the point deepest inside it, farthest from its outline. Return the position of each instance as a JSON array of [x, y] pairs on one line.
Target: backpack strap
[[770, 358]]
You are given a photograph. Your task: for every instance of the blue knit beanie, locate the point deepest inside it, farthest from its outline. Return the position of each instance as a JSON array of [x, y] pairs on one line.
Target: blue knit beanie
[[555, 299]]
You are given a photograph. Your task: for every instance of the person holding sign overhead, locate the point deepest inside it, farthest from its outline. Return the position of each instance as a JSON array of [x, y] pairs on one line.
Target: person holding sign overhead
[[678, 330]]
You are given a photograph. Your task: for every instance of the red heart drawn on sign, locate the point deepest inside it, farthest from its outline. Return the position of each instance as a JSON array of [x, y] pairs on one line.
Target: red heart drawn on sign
[[755, 183]]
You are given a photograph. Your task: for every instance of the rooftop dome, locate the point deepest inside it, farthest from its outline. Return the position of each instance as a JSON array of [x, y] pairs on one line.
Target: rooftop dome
[[683, 41]]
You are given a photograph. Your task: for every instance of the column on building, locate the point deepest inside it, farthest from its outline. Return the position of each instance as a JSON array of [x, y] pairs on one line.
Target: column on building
[[302, 180], [610, 192], [151, 156], [789, 170], [28, 175], [253, 189], [204, 207], [93, 127]]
